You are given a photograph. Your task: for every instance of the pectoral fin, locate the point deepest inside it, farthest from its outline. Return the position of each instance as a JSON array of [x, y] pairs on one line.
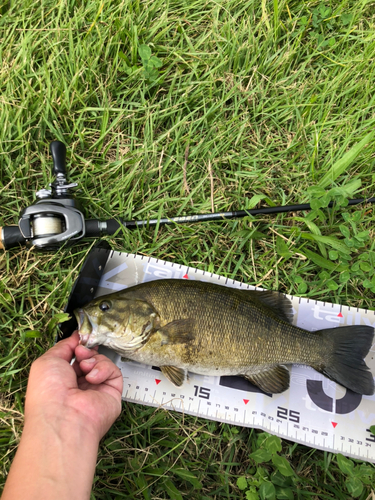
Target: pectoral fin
[[176, 375], [272, 380], [178, 331]]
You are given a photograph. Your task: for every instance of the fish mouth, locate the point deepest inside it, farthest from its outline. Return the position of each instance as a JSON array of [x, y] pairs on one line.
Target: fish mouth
[[85, 327]]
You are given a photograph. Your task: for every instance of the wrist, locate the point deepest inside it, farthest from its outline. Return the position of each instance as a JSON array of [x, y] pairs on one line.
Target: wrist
[[55, 459], [61, 420], [62, 424]]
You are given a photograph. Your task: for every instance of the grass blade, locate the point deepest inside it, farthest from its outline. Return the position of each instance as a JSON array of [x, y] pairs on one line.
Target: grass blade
[[341, 165]]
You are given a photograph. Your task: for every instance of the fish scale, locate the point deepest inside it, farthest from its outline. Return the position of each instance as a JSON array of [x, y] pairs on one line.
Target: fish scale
[[192, 326], [230, 323]]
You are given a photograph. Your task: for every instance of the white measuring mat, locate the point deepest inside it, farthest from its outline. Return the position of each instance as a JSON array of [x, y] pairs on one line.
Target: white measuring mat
[[314, 411]]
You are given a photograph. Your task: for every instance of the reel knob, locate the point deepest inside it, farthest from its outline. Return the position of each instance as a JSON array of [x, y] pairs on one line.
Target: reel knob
[[58, 151]]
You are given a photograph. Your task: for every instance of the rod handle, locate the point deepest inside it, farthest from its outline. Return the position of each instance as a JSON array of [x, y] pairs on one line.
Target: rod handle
[[11, 236], [58, 151]]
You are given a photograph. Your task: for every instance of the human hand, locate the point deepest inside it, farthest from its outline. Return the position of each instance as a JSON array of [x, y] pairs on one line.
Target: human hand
[[87, 393], [68, 410]]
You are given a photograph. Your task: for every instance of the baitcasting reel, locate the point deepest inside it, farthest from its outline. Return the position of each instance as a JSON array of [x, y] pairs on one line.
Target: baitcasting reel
[[56, 217]]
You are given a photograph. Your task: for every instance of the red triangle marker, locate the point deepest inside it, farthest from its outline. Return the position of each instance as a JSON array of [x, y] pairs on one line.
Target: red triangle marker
[[246, 401], [186, 277], [157, 381], [340, 315], [334, 424]]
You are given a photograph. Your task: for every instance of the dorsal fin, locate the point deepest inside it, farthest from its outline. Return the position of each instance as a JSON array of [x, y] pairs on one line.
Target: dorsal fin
[[275, 302]]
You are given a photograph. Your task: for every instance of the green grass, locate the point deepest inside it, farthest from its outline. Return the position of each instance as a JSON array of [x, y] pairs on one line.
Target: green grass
[[271, 95]]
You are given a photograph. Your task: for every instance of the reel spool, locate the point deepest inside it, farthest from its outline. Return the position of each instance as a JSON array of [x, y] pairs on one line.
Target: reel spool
[[46, 225]]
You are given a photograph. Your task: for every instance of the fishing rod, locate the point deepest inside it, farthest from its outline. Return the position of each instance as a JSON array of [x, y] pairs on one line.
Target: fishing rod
[[56, 219]]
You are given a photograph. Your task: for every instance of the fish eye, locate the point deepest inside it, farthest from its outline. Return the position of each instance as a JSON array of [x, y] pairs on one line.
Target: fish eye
[[104, 306]]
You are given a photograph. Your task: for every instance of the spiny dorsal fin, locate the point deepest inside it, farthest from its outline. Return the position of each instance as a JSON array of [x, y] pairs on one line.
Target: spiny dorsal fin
[[275, 302], [176, 375], [272, 380], [178, 331]]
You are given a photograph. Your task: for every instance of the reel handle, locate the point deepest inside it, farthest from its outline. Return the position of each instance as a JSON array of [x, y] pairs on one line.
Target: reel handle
[[58, 151]]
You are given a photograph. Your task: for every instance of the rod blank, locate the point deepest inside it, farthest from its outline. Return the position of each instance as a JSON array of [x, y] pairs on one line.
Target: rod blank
[[113, 225], [11, 236]]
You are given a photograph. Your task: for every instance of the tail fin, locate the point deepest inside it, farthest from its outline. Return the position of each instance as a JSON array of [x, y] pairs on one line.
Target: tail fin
[[344, 363]]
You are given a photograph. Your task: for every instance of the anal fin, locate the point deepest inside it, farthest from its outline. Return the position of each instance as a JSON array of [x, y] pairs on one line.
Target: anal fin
[[176, 375], [272, 380]]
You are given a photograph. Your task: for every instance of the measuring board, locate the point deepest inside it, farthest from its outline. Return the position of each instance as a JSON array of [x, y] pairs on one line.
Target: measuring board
[[314, 411]]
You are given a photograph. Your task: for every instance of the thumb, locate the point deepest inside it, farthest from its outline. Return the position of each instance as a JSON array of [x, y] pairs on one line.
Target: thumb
[[64, 349]]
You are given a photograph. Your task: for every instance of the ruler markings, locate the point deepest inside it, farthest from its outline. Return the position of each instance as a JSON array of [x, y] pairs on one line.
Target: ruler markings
[[264, 421]]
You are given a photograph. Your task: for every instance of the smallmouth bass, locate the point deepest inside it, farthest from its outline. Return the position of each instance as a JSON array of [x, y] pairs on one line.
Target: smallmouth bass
[[186, 326]]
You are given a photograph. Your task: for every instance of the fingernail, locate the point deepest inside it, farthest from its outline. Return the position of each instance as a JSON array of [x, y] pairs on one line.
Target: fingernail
[[94, 372], [84, 347], [90, 360], [83, 339]]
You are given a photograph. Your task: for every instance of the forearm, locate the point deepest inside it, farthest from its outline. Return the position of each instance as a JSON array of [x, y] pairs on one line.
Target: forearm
[[56, 459]]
